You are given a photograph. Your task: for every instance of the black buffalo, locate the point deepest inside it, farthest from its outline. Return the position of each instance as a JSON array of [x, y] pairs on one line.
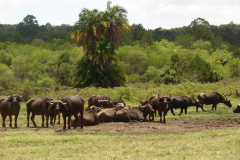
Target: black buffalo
[[182, 102]]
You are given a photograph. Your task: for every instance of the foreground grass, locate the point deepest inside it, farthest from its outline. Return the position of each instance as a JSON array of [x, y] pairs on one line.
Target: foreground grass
[[209, 144]]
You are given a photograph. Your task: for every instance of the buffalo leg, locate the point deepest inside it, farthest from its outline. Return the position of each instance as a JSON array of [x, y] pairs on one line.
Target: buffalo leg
[[164, 120], [180, 112], [75, 121], [64, 121], [28, 113], [81, 112], [185, 111], [160, 115], [32, 118], [16, 116], [58, 119], [172, 112], [10, 118], [3, 120], [201, 108], [69, 119], [51, 120], [42, 120], [47, 118]]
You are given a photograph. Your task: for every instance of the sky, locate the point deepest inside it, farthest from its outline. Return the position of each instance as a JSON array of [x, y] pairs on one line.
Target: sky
[[151, 14]]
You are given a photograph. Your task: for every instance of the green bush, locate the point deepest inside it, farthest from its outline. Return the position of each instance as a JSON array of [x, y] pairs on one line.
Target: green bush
[[7, 79], [167, 76], [133, 78]]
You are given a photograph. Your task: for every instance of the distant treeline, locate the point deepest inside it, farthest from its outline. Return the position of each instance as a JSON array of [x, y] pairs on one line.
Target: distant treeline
[[29, 29]]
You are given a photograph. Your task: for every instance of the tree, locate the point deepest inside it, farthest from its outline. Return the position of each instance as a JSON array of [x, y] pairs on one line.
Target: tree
[[88, 27], [28, 28], [115, 21], [147, 39], [200, 29], [138, 31], [94, 68], [185, 41]]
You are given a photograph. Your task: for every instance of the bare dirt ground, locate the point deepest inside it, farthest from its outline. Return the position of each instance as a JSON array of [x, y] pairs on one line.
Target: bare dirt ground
[[144, 127]]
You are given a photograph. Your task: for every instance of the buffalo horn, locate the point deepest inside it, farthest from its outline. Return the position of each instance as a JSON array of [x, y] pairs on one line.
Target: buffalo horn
[[21, 94], [9, 94], [65, 105], [170, 94]]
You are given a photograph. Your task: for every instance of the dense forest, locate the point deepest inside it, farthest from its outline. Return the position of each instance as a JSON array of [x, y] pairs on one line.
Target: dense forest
[[37, 57]]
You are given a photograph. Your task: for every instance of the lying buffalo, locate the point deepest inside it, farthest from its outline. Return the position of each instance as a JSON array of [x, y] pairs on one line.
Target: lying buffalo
[[108, 114], [90, 117], [10, 106], [99, 101], [113, 103], [237, 110], [160, 103], [146, 110], [68, 106], [121, 114], [182, 102], [38, 106], [212, 98]]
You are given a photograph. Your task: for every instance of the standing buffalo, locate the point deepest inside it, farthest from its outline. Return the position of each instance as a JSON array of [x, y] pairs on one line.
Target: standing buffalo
[[212, 98], [10, 106], [160, 103], [99, 101], [39, 106], [90, 117], [68, 106], [182, 102], [237, 110]]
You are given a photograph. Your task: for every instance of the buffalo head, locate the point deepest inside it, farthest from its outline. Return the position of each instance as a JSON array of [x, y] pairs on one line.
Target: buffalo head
[[57, 105], [94, 109], [227, 102], [148, 108], [14, 98], [103, 103], [165, 99], [237, 110], [197, 103]]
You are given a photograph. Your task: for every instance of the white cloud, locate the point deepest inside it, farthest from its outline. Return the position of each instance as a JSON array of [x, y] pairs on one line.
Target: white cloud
[[151, 14]]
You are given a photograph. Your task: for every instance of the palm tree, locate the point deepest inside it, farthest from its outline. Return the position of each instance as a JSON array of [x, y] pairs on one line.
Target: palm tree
[[88, 27], [115, 21], [103, 55]]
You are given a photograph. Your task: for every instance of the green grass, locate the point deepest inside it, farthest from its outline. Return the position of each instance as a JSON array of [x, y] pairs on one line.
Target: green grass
[[209, 144]]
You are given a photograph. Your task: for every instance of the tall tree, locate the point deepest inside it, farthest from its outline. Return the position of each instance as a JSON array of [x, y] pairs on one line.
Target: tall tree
[[28, 28], [115, 21], [147, 39], [200, 29], [88, 27]]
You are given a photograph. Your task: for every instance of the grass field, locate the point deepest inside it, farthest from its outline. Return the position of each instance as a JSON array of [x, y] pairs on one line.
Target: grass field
[[209, 144]]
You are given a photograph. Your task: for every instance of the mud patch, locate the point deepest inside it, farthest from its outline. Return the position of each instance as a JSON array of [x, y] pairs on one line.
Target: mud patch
[[144, 127]]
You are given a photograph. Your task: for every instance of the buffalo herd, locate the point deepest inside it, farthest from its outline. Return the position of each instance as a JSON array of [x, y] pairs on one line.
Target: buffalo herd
[[101, 109]]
